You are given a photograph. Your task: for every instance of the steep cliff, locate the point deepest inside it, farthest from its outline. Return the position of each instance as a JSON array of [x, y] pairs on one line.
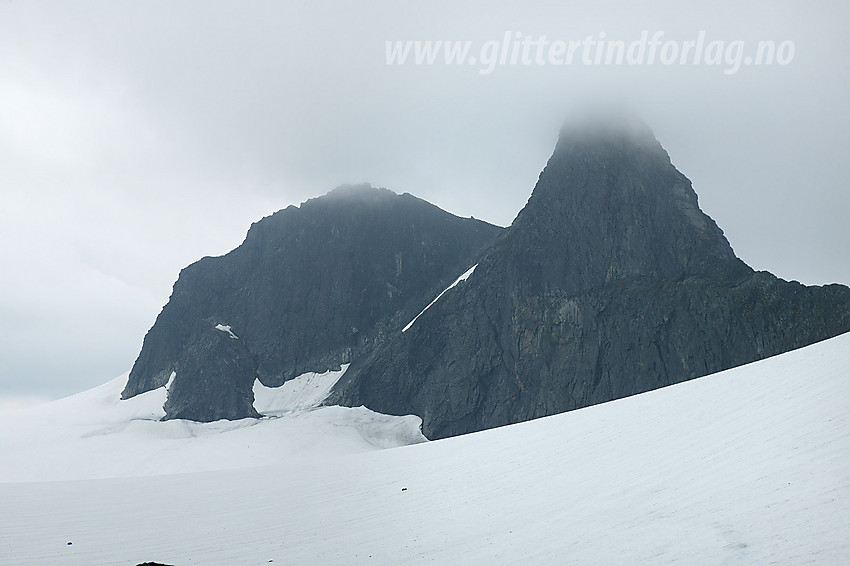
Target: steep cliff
[[610, 282], [310, 288]]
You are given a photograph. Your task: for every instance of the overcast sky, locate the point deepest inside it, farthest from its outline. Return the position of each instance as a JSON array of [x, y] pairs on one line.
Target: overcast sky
[[137, 137]]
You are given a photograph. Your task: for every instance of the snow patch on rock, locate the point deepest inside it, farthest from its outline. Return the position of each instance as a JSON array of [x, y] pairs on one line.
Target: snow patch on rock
[[307, 391], [226, 328]]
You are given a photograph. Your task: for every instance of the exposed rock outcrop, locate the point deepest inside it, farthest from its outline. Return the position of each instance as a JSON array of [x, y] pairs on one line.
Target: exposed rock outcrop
[[610, 282], [310, 288], [214, 364]]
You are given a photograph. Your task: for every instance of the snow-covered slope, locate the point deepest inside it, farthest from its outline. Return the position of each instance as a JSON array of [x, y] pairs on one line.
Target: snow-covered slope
[[94, 434], [748, 466]]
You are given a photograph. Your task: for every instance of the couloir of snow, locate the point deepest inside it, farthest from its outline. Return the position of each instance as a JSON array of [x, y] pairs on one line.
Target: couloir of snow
[[747, 466], [464, 276]]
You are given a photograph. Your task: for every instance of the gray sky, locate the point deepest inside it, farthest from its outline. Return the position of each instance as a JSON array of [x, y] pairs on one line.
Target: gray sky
[[137, 137]]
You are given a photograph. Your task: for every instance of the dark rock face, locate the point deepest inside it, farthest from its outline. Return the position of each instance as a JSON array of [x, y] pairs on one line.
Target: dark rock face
[[610, 282], [213, 361], [310, 288]]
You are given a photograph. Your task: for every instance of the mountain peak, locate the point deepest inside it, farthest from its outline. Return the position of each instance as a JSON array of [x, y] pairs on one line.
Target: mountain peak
[[311, 288], [610, 205], [358, 190], [615, 133], [611, 281]]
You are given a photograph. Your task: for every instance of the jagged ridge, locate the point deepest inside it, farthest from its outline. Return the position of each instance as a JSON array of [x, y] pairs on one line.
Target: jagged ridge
[[310, 288], [610, 282]]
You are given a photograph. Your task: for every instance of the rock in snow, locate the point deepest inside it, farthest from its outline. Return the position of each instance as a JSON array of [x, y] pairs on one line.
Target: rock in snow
[[211, 362]]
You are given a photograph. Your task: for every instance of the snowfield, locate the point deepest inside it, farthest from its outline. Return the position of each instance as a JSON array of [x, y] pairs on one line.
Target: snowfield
[[95, 435], [747, 466]]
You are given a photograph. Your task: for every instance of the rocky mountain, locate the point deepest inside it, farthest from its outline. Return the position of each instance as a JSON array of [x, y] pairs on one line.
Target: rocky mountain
[[310, 288], [610, 282]]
